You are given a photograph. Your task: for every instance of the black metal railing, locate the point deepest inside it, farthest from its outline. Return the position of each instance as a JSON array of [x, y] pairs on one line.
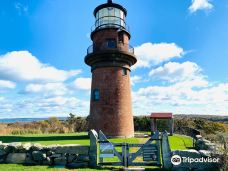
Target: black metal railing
[[105, 47]]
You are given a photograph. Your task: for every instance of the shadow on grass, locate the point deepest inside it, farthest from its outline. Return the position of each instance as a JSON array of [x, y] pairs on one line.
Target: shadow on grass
[[7, 139]]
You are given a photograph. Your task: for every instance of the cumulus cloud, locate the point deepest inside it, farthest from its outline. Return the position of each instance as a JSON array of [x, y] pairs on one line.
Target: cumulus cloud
[[187, 91], [40, 106], [7, 84], [180, 72], [6, 106], [135, 79], [1, 99], [46, 89], [152, 53], [200, 5], [82, 83], [185, 99], [23, 66]]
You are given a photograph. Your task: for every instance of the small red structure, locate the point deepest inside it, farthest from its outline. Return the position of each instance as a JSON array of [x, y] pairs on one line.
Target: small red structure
[[168, 116]]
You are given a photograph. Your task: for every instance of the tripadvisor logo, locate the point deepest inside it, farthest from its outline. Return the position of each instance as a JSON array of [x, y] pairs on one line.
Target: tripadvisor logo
[[176, 160]]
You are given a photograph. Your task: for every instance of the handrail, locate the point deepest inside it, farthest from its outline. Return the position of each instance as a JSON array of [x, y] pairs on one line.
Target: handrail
[[104, 47]]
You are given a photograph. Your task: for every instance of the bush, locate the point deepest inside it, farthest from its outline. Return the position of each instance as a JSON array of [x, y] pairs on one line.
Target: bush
[[24, 131]]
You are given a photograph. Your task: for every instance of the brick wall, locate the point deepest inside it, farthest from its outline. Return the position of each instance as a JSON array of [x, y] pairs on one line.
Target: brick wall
[[113, 112], [102, 35]]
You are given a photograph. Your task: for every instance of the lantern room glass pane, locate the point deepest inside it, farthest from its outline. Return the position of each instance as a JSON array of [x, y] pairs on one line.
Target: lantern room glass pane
[[110, 16], [111, 11], [117, 12]]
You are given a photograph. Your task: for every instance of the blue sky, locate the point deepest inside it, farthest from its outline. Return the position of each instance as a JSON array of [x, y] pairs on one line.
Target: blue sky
[[181, 48]]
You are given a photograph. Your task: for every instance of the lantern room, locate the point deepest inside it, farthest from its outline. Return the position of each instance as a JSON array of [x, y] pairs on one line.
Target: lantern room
[[110, 15]]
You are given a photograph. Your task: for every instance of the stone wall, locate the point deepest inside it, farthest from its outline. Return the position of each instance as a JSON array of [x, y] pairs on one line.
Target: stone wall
[[35, 154], [203, 149], [203, 144]]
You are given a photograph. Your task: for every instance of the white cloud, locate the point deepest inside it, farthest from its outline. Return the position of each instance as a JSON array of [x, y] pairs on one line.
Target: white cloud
[[47, 89], [40, 106], [6, 106], [1, 99], [180, 72], [135, 79], [82, 83], [149, 53], [186, 91], [200, 5], [23, 66], [179, 98], [7, 84]]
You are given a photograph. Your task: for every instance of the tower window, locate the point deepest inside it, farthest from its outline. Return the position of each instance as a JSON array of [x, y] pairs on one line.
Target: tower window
[[121, 37], [124, 71], [96, 95], [111, 43]]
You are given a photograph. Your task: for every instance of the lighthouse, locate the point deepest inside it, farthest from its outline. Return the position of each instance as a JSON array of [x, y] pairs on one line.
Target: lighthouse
[[110, 57]]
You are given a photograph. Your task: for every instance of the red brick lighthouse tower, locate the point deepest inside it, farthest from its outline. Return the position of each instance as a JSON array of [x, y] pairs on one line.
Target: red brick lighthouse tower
[[110, 58]]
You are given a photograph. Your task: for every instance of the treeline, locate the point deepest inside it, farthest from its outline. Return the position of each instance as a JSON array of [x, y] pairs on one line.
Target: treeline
[[80, 124], [50, 126]]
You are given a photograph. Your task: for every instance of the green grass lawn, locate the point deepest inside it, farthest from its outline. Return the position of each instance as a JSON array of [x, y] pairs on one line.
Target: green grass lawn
[[177, 142]]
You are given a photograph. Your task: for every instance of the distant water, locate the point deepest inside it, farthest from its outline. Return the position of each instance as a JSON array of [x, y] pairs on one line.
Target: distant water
[[13, 120]]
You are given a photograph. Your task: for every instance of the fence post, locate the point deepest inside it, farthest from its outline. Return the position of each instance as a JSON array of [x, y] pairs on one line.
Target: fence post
[[93, 148], [166, 152]]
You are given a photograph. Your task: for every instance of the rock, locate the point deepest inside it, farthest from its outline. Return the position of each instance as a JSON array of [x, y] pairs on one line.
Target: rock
[[82, 157], [200, 144], [205, 153], [2, 152], [210, 146], [47, 161], [72, 149], [206, 141], [56, 156], [51, 147], [199, 136], [16, 158], [9, 149], [2, 160], [60, 161], [38, 156], [2, 146], [50, 153], [77, 165], [15, 144], [71, 158], [36, 147], [29, 160], [27, 146]]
